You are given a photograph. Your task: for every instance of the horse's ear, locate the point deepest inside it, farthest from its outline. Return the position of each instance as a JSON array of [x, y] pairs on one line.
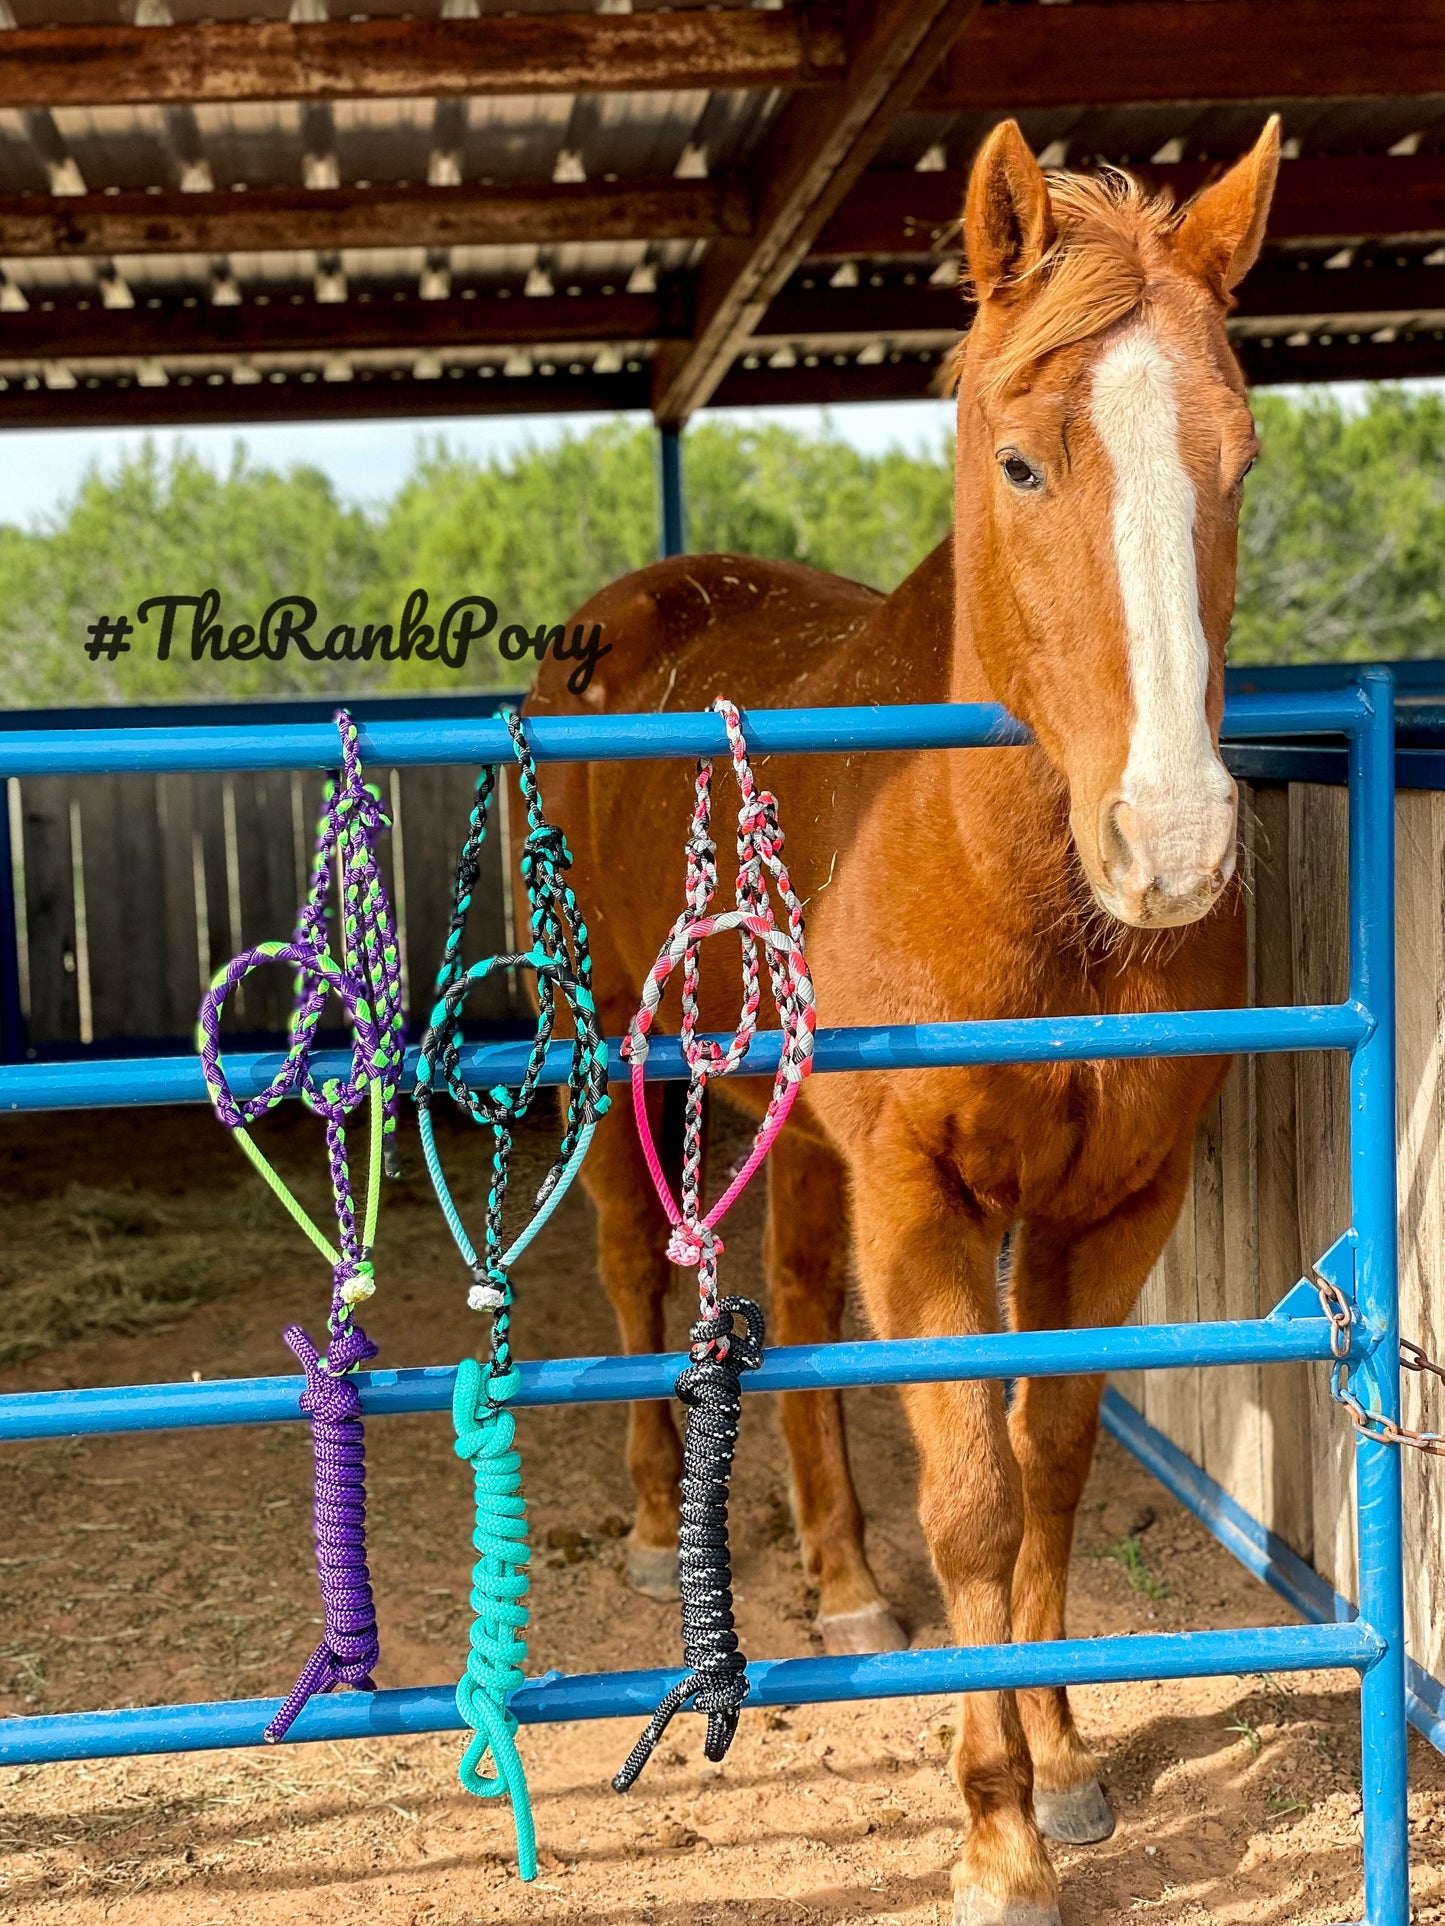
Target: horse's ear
[[1008, 225], [1222, 228]]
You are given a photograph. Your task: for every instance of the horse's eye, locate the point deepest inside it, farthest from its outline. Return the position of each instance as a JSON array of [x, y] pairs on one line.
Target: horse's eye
[[1246, 468], [1018, 472]]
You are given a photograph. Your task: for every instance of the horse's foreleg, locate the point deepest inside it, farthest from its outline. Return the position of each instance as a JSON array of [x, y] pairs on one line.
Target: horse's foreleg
[[1060, 1280], [635, 1273], [807, 1272], [929, 1269]]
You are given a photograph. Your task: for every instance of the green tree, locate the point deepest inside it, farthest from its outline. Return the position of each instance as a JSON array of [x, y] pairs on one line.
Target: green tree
[[1342, 552], [1342, 545], [163, 524]]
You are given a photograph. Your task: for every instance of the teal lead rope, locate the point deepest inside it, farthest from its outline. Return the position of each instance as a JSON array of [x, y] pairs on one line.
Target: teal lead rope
[[485, 1427], [486, 1431]]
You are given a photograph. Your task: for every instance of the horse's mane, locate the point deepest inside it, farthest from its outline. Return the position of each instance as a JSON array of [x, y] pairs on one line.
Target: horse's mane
[[1110, 235]]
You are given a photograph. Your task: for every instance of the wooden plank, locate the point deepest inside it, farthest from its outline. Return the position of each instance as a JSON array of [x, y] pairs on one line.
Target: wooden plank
[[171, 328], [213, 61], [50, 909], [1319, 893], [1276, 288], [72, 226], [1420, 1053], [434, 806], [1320, 197], [1172, 1402], [376, 393], [1009, 59], [186, 971], [1286, 1499], [812, 156], [143, 908], [1226, 1243], [1218, 1395], [397, 319], [270, 890], [209, 817], [104, 886]]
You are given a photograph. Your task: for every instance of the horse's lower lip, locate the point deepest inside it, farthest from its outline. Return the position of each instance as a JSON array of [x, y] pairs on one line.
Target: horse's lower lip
[[1156, 910]]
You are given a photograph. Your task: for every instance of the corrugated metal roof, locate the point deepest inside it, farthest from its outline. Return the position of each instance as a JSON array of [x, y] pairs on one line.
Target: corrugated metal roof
[[217, 150]]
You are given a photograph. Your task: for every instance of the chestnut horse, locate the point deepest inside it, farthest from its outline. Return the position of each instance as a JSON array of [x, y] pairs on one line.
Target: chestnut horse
[[1103, 437]]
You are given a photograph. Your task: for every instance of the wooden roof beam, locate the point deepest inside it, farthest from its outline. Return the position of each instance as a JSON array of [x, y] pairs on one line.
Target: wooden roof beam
[[1344, 197], [96, 403], [276, 324], [817, 149], [1276, 287], [197, 62], [261, 219], [375, 320], [1012, 59], [391, 394]]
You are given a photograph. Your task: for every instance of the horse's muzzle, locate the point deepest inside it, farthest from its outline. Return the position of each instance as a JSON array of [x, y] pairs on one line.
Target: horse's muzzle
[[1167, 862]]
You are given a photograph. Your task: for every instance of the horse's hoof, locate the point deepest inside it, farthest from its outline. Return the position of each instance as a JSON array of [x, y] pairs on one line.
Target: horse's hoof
[[652, 1570], [1079, 1817], [873, 1629], [972, 1906]]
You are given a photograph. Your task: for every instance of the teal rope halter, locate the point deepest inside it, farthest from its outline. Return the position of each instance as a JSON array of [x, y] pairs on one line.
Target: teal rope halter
[[485, 1427]]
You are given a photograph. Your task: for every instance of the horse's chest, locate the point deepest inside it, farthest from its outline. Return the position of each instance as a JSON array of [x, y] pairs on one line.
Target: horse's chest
[[1068, 1142]]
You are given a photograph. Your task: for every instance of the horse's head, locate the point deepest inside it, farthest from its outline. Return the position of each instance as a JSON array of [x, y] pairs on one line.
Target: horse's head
[[1103, 437]]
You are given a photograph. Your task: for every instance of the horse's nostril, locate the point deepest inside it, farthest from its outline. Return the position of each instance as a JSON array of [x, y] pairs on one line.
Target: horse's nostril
[[1118, 856]]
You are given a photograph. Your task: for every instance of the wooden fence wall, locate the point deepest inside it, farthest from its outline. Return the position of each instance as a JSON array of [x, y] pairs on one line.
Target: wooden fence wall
[[1271, 1193], [134, 890]]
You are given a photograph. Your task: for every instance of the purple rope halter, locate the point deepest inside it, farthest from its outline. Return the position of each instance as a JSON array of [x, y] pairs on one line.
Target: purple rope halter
[[367, 984]]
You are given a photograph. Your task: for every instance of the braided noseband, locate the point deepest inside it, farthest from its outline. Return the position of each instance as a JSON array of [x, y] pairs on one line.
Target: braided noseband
[[485, 1427], [367, 984], [710, 1385]]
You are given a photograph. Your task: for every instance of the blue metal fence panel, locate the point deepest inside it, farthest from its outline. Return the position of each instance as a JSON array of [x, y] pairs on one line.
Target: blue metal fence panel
[[1362, 711]]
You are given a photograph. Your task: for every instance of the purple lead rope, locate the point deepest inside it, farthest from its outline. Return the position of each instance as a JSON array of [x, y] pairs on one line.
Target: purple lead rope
[[367, 985], [349, 1652]]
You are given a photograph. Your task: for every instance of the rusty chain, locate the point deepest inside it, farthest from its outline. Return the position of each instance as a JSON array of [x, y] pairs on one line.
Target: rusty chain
[[1370, 1423]]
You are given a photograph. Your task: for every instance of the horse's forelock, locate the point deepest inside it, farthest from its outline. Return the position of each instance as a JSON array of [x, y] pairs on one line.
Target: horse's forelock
[[1111, 234]]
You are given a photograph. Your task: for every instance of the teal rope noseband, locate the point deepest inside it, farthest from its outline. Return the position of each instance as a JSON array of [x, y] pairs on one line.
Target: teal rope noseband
[[560, 960]]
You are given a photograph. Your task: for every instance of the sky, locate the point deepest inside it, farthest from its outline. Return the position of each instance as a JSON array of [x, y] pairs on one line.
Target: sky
[[40, 468]]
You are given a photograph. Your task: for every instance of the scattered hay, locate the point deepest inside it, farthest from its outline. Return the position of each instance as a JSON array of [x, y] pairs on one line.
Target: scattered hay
[[99, 1263]]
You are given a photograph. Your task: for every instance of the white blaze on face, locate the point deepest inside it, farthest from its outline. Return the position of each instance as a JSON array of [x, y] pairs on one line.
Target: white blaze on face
[[1175, 791]]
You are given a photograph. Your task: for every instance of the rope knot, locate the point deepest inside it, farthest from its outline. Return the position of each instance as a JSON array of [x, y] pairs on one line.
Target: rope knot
[[489, 1291], [693, 1245], [349, 1347], [353, 1281], [546, 846]]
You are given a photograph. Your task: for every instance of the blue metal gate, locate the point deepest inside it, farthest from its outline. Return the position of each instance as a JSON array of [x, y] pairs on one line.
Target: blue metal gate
[[1362, 1265]]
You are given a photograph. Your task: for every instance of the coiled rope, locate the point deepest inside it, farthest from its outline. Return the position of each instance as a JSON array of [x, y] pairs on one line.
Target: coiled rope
[[367, 984], [710, 1384], [485, 1427]]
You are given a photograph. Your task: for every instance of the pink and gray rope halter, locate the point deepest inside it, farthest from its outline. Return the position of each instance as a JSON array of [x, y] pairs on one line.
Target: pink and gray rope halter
[[367, 984], [710, 1386]]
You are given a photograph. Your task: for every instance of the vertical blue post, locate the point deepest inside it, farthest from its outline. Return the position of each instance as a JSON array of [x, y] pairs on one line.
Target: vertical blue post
[[669, 476], [1372, 1187], [12, 1020]]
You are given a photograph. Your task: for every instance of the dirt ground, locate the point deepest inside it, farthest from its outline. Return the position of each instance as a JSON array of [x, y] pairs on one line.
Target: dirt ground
[[133, 1570]]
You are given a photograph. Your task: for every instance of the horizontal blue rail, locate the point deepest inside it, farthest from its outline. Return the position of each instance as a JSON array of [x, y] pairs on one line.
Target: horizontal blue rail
[[301, 745], [613, 1380], [608, 1695], [89, 1084]]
